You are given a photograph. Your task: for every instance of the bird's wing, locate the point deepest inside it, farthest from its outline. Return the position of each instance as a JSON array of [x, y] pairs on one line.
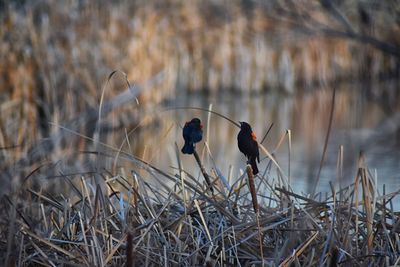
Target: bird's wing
[[186, 132], [241, 144]]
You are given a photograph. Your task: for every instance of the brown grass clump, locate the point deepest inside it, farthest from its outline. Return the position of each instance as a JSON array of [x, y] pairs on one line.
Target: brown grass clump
[[173, 219]]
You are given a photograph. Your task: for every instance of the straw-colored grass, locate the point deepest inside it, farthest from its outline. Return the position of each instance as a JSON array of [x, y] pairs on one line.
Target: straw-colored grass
[[55, 55], [150, 217]]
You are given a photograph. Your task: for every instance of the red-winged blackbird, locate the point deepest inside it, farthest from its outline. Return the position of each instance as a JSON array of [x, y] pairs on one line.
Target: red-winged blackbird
[[192, 133], [247, 143]]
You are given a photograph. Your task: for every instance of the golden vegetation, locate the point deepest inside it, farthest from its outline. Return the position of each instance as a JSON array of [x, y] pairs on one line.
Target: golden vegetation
[[185, 223], [55, 57]]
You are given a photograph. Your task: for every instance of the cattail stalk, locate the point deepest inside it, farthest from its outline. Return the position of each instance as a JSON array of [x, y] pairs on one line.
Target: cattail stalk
[[252, 188], [129, 251]]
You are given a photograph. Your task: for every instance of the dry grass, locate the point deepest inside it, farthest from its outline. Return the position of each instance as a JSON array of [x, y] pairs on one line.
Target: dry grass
[[150, 217], [54, 57]]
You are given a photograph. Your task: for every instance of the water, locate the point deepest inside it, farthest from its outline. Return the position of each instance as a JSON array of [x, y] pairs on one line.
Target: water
[[356, 126]]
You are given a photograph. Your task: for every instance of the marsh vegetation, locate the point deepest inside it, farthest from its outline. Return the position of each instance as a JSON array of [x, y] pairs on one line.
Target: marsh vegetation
[[89, 165]]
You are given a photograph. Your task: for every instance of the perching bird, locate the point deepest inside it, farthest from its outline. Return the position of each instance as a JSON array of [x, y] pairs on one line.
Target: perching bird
[[247, 143], [192, 133]]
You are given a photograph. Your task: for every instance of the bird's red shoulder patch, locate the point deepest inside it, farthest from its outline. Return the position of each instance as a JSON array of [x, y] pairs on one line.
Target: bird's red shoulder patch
[[253, 136]]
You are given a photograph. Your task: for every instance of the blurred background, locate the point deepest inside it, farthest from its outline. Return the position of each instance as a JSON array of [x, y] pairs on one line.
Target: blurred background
[[259, 61]]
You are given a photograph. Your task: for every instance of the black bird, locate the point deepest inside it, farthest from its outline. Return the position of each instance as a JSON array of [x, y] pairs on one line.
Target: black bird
[[247, 143], [192, 133]]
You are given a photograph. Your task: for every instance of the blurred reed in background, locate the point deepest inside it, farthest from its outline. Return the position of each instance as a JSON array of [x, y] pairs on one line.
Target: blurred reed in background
[[68, 120], [55, 56]]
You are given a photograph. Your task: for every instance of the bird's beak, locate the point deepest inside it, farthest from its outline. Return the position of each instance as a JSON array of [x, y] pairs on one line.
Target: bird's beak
[[240, 122]]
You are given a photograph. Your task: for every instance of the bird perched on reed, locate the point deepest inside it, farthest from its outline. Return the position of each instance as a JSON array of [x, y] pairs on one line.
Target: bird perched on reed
[[192, 134], [247, 143]]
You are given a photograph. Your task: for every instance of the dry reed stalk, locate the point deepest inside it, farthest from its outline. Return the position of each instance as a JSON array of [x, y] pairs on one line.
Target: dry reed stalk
[[256, 208], [367, 205], [171, 230], [203, 171], [328, 132], [129, 251], [297, 252], [252, 188], [266, 133]]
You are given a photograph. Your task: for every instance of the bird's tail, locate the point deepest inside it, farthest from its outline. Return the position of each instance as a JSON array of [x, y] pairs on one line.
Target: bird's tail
[[254, 165], [188, 148]]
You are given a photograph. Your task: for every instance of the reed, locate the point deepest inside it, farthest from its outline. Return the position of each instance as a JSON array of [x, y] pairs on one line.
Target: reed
[[55, 55], [130, 222]]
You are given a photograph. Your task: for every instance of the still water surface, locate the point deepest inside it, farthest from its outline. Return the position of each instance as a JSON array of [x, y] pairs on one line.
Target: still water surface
[[356, 127]]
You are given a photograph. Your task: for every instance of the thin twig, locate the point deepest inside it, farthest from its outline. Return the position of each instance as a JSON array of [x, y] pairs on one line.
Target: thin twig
[[326, 141]]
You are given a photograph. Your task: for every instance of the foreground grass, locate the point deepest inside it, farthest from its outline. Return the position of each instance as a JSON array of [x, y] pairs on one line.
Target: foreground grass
[[174, 219]]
